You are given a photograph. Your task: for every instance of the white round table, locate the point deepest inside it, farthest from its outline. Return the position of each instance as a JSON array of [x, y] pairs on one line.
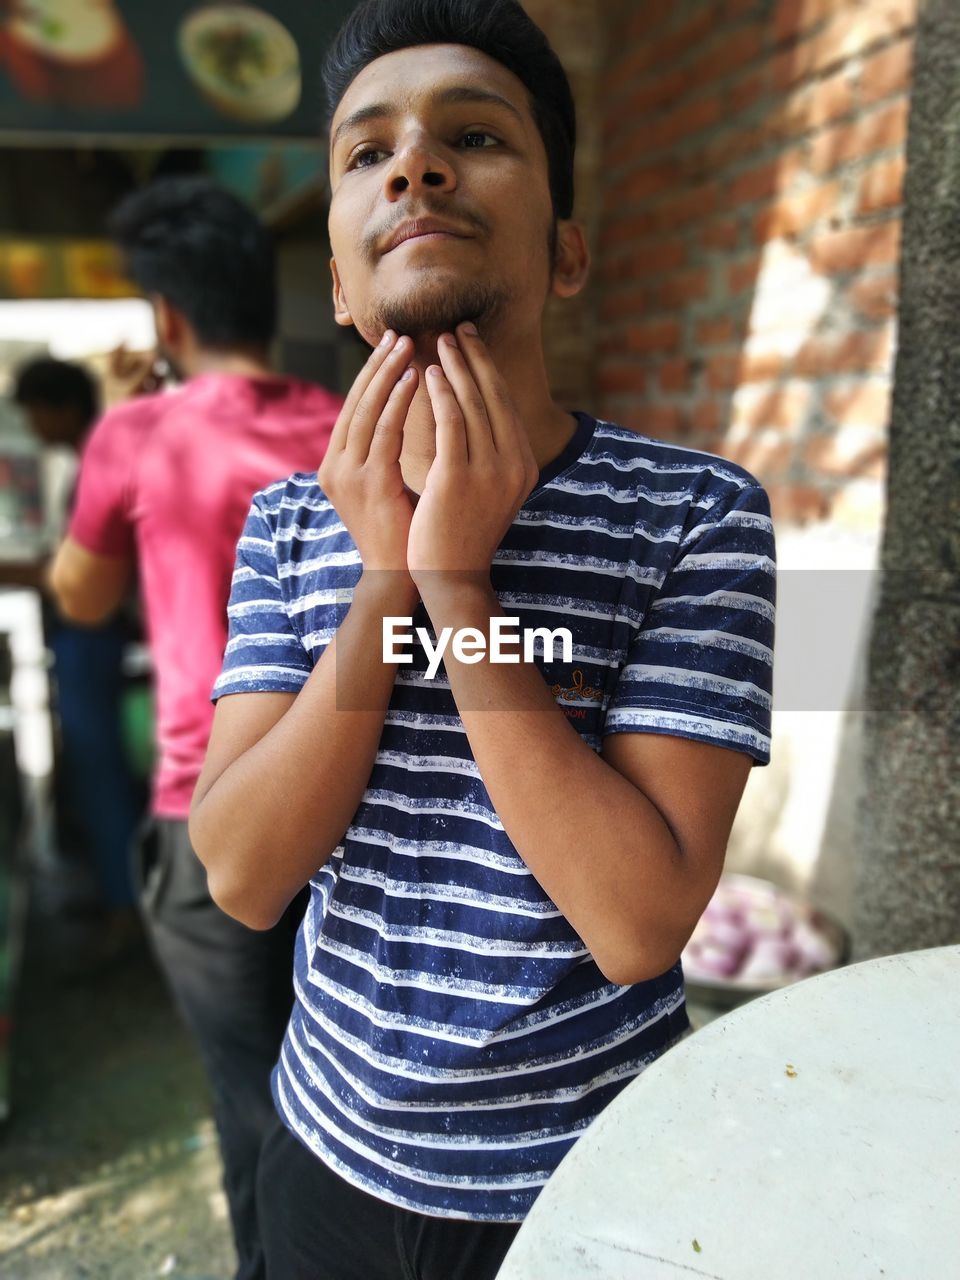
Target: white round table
[[813, 1134]]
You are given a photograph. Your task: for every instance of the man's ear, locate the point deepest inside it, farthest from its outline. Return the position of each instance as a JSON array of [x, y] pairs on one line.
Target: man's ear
[[167, 321], [571, 264], [341, 312]]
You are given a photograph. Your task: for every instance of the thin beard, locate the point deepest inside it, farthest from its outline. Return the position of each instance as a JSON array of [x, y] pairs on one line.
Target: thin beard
[[425, 315]]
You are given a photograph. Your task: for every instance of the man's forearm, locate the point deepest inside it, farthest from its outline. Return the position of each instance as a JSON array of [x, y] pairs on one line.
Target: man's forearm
[[596, 844], [273, 817]]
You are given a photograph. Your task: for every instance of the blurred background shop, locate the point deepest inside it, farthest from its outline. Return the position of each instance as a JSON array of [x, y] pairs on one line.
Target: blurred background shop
[[742, 171]]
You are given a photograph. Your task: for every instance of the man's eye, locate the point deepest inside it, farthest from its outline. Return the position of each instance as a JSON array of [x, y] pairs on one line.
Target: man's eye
[[477, 140], [359, 161]]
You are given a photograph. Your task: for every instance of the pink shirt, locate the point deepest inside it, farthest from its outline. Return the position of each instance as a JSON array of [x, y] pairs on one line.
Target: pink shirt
[[167, 480]]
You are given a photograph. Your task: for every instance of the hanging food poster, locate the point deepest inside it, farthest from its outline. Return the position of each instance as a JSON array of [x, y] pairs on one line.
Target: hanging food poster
[[174, 68]]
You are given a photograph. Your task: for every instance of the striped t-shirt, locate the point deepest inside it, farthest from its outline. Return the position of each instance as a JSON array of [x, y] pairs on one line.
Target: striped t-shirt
[[451, 1034]]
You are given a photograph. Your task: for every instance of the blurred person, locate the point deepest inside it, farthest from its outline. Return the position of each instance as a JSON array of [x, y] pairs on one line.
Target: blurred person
[[505, 858], [165, 483], [98, 797]]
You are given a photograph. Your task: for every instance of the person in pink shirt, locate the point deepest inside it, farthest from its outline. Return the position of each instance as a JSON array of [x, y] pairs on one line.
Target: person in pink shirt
[[164, 489]]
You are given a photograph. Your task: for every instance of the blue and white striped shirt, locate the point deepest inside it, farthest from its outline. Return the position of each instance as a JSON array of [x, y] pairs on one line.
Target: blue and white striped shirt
[[451, 1034]]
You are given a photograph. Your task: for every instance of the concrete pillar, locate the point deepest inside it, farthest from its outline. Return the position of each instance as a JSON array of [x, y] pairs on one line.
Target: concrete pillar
[[908, 859]]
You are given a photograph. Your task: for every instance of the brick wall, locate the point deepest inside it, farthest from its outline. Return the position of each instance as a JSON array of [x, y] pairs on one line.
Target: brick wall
[[750, 168]]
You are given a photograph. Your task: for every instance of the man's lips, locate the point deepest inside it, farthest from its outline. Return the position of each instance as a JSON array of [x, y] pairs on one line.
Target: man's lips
[[418, 228]]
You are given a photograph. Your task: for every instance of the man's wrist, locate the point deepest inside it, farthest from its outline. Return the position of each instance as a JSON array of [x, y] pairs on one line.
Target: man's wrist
[[458, 598], [386, 591]]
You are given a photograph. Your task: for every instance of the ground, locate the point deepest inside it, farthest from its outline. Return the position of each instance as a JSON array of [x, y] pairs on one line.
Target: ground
[[108, 1164]]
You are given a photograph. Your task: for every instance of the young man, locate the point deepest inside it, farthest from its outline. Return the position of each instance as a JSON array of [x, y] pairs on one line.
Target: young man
[[165, 483], [506, 859]]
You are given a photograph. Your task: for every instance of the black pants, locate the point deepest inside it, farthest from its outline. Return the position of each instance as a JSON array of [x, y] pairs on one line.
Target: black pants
[[316, 1226], [233, 987]]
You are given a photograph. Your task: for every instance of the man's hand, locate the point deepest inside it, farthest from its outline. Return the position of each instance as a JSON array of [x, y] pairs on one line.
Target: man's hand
[[483, 471], [360, 472]]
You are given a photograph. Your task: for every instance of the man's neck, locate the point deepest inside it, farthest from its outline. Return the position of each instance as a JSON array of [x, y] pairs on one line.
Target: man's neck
[[239, 363], [549, 428]]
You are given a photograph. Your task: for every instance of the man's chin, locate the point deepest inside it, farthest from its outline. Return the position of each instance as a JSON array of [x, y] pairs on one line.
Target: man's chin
[[438, 306]]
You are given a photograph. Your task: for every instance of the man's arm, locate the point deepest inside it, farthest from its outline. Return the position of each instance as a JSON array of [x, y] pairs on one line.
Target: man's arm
[[629, 845], [284, 773], [87, 587]]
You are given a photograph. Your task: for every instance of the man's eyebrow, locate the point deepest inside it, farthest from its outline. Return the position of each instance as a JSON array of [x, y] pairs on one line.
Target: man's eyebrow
[[454, 95]]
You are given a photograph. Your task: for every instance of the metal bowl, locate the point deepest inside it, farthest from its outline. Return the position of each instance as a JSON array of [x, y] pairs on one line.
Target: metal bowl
[[727, 993]]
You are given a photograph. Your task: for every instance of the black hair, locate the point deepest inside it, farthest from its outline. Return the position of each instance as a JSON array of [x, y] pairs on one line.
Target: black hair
[[204, 251], [45, 381], [500, 29]]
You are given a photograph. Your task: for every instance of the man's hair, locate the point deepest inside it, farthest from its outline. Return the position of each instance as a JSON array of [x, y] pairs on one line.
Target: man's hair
[[54, 383], [206, 253], [500, 29]]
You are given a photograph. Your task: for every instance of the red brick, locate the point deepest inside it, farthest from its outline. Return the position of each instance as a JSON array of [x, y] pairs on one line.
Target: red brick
[[764, 181], [760, 366], [782, 408], [862, 402], [666, 91], [747, 91], [624, 304], [881, 187], [652, 336], [620, 377], [721, 332], [792, 17], [793, 65], [693, 117], [707, 418], [865, 351], [765, 455], [640, 184], [721, 372], [812, 106], [881, 130], [719, 153], [887, 73], [722, 234], [875, 297], [647, 17], [848, 454], [673, 375], [665, 422], [793, 215], [797, 504], [736, 49], [627, 230], [743, 275], [856, 248], [684, 287], [857, 28], [645, 260], [670, 45], [733, 9]]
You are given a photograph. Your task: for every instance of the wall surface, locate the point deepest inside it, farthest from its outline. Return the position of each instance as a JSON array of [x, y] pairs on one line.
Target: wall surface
[[752, 168]]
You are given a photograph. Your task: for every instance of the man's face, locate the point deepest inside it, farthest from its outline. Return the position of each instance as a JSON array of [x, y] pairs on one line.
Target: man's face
[[444, 133]]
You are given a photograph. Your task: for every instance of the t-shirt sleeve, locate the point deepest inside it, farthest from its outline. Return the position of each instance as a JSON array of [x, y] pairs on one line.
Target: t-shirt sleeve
[[701, 665], [264, 653], [101, 520]]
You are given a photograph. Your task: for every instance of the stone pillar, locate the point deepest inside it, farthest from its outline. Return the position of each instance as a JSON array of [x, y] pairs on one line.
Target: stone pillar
[[908, 859]]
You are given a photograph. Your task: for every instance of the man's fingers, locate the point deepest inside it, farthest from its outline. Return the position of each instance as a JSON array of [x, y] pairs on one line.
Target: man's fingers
[[451, 433], [505, 429], [338, 437], [373, 399], [469, 396], [388, 434]]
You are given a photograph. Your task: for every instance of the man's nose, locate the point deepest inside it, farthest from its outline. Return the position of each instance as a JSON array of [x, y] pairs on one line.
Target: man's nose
[[417, 166]]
